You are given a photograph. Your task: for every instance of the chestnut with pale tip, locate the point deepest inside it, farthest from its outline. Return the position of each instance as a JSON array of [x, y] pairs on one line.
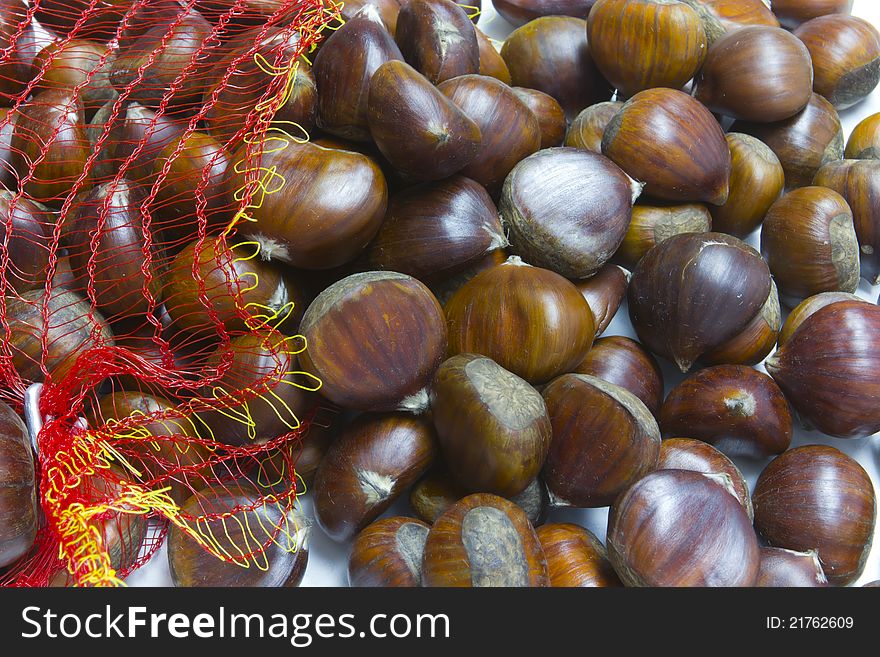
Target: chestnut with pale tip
[[864, 140], [604, 291], [789, 568], [651, 224], [723, 16], [388, 553], [588, 127], [575, 557], [809, 307], [438, 39]]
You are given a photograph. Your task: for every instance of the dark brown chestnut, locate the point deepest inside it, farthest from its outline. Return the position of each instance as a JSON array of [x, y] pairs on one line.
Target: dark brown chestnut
[[484, 541], [807, 308], [24, 230], [817, 498], [733, 407], [722, 16], [491, 61], [567, 209], [551, 117], [864, 141], [625, 363], [102, 17], [642, 44], [373, 461], [588, 127], [756, 182], [803, 143], [575, 557], [604, 292], [510, 130], [604, 439], [375, 340], [529, 320], [651, 224], [833, 352], [757, 73], [19, 504], [438, 39], [77, 63], [787, 568], [652, 138], [444, 289], [677, 288], [810, 244], [492, 426], [756, 340], [16, 70], [858, 181], [520, 12], [260, 543], [681, 528], [551, 54], [388, 11], [389, 553], [792, 13], [420, 131]]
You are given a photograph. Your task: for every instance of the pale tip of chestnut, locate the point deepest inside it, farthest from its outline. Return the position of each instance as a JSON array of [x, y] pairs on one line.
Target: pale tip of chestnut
[[371, 13], [556, 501], [270, 249], [416, 403], [499, 241], [376, 487], [722, 479], [821, 579], [302, 526], [517, 261], [636, 188]]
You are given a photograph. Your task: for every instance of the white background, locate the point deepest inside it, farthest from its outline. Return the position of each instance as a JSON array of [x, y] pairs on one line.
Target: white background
[[328, 560]]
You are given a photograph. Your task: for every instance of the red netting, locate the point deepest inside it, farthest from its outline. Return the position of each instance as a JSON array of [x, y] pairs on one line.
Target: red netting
[[131, 135]]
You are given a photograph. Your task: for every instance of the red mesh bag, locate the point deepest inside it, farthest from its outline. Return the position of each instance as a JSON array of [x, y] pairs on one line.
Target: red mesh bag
[[131, 139]]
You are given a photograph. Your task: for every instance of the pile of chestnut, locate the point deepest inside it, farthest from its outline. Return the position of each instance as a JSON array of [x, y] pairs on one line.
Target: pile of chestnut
[[462, 227]]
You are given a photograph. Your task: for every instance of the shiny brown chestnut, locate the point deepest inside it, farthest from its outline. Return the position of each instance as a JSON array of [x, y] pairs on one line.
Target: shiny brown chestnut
[[651, 224], [807, 308], [484, 541], [551, 54], [652, 138], [529, 320], [16, 70], [551, 117], [858, 181], [492, 426], [697, 456], [491, 61], [677, 288], [604, 292], [736, 408], [799, 500], [376, 458], [375, 340], [788, 568], [445, 288], [77, 63], [388, 10], [18, 482], [575, 557], [756, 340], [588, 127], [438, 39], [24, 229], [833, 349], [642, 44], [389, 553], [625, 363], [681, 528], [722, 16], [757, 73], [520, 12], [792, 13], [567, 209], [604, 439], [864, 141], [756, 182], [510, 130], [810, 244], [846, 57], [804, 142], [420, 131]]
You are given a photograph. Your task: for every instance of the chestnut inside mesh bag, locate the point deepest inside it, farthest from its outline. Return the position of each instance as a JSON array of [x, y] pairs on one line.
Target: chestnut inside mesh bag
[[131, 142]]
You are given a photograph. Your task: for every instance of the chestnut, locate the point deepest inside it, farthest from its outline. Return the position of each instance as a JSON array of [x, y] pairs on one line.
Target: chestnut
[[758, 73], [19, 40], [19, 519], [343, 68], [8, 176], [604, 439], [804, 142], [816, 497], [388, 11], [642, 44], [756, 182], [389, 553], [832, 352], [373, 461], [864, 141], [651, 224], [24, 230], [551, 54], [444, 289], [420, 131], [756, 340], [491, 61], [604, 292], [529, 320], [520, 12], [575, 557], [77, 63], [510, 130], [697, 456], [733, 407], [438, 39], [679, 285], [792, 13], [551, 117], [567, 209], [588, 127], [102, 17], [252, 541], [788, 568], [681, 528], [122, 530], [807, 308], [492, 426], [858, 181], [483, 541], [722, 16], [810, 244], [653, 139], [625, 363], [375, 340]]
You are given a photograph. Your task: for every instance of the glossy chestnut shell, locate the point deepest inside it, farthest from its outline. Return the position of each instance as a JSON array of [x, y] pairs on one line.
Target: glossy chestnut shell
[[550, 115], [651, 224], [575, 557], [787, 568], [24, 230], [604, 292], [808, 307], [864, 141], [19, 505], [438, 39], [389, 553]]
